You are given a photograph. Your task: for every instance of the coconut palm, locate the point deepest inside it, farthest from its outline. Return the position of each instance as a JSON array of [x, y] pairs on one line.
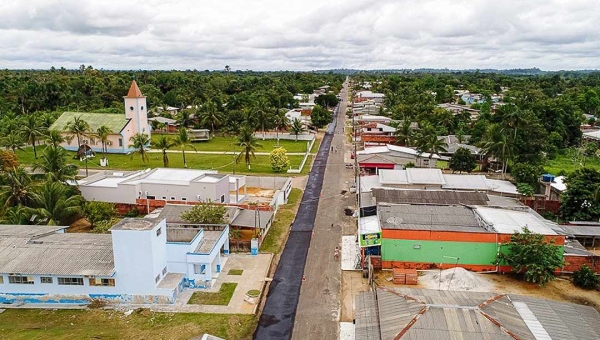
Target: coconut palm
[[13, 142], [262, 112], [297, 128], [103, 132], [404, 133], [498, 143], [78, 128], [54, 203], [428, 141], [31, 130], [54, 138], [17, 215], [210, 115], [53, 162], [140, 142], [280, 121], [248, 143], [17, 188], [183, 141], [164, 143], [185, 118]]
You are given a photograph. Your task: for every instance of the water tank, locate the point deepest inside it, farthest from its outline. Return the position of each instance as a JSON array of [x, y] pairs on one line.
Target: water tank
[[547, 178]]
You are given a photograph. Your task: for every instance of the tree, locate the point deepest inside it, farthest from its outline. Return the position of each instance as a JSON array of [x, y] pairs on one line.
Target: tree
[[13, 142], [320, 116], [210, 115], [579, 201], [78, 128], [428, 142], [262, 112], [527, 173], [589, 150], [327, 100], [207, 213], [54, 138], [183, 141], [17, 189], [98, 211], [54, 164], [280, 121], [103, 132], [8, 160], [31, 130], [525, 189], [585, 278], [498, 144], [140, 142], [185, 119], [164, 143], [54, 203], [404, 133], [279, 160], [17, 215], [462, 160], [531, 255], [248, 143], [297, 127]]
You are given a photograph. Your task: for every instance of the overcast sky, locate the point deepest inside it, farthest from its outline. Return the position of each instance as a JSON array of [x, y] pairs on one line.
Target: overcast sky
[[300, 35]]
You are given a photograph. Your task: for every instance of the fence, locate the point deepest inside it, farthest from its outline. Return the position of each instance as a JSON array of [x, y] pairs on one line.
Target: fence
[[308, 148]]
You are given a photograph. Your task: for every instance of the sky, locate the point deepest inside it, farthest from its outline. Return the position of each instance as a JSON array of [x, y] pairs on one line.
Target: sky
[[300, 35]]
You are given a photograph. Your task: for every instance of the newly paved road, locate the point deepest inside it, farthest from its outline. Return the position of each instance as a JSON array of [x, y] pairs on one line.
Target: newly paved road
[[277, 318], [317, 316]]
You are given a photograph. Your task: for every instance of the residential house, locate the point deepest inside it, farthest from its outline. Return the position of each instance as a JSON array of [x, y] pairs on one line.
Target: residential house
[[377, 133], [378, 98], [372, 159]]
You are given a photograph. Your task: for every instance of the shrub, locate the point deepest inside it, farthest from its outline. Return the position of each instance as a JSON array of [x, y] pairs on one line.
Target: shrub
[[585, 278], [279, 160]]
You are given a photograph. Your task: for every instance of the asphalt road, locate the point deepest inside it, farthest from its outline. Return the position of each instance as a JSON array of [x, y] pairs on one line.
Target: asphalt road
[[287, 290]]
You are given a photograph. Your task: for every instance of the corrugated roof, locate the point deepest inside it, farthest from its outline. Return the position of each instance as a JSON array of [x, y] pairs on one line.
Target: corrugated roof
[[510, 220], [428, 217], [465, 182], [429, 196], [582, 230], [250, 218], [367, 322], [55, 253], [208, 242], [116, 122]]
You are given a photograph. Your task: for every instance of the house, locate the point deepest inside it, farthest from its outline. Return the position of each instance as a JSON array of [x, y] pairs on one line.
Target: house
[[453, 143], [365, 107], [373, 159], [122, 127], [168, 110], [592, 135], [199, 135], [170, 125], [377, 133], [302, 115], [140, 261], [387, 313], [458, 109], [378, 98], [365, 119]]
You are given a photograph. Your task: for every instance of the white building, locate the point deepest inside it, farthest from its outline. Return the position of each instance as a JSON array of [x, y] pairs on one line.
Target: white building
[[141, 261], [377, 97]]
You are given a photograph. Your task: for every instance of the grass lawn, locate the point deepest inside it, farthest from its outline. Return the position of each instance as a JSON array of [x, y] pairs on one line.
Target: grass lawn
[[281, 226], [220, 298], [109, 324], [235, 272], [220, 143], [223, 163], [568, 163]]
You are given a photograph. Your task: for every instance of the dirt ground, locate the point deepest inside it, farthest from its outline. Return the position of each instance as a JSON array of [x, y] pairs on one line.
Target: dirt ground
[[352, 284], [260, 192], [561, 289], [80, 226]]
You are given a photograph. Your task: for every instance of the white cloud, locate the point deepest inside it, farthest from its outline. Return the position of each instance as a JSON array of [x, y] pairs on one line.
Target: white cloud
[[302, 35]]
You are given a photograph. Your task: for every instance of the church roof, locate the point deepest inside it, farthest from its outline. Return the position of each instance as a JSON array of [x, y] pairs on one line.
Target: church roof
[[116, 122], [134, 91]]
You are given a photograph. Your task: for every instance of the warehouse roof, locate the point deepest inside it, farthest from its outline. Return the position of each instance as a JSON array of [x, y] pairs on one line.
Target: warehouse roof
[[39, 250], [422, 314], [428, 217], [470, 182], [389, 195], [509, 220], [411, 176]]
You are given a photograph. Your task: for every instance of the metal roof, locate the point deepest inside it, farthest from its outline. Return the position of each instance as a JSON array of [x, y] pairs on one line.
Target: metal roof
[[48, 253], [422, 314], [465, 182], [116, 122], [582, 230], [412, 176], [509, 220], [388, 195], [428, 217], [250, 218]]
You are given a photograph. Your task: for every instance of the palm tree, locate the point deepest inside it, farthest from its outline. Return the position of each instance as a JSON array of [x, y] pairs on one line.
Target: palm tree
[[209, 115], [185, 118], [430, 143], [54, 138], [53, 163], [512, 117], [17, 215], [404, 133], [78, 128], [13, 142], [262, 111], [54, 203], [164, 143], [498, 144], [183, 141], [139, 142], [297, 127], [248, 143], [17, 188], [31, 130], [280, 121], [103, 132]]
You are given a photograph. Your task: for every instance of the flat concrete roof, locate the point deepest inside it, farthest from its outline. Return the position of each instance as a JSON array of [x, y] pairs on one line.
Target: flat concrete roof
[[135, 224]]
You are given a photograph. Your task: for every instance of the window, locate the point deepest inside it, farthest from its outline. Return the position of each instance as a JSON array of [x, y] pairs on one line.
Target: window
[[157, 278], [102, 282], [158, 232], [70, 281], [184, 198], [22, 280], [172, 198], [164, 272], [199, 269], [164, 198], [120, 141], [1, 280], [150, 197], [222, 198], [46, 279]]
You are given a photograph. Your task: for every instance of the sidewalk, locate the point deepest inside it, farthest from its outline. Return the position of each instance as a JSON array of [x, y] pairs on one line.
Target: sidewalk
[[225, 152]]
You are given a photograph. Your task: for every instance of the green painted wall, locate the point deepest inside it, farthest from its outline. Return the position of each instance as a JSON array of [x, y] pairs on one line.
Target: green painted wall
[[480, 253]]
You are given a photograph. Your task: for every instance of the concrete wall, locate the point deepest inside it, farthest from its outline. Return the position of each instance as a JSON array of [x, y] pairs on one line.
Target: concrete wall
[[124, 193]]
